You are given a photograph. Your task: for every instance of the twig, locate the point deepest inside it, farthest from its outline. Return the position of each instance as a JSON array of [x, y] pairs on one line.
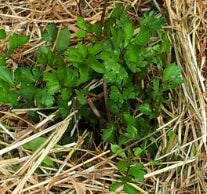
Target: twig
[[95, 111], [79, 8], [106, 99], [104, 12]]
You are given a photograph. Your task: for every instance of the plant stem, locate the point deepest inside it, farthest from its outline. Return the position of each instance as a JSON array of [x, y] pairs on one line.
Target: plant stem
[[79, 8], [104, 12], [106, 99]]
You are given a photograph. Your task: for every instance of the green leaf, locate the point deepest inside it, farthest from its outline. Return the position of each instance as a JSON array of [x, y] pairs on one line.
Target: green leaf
[[107, 27], [77, 54], [152, 21], [66, 94], [44, 49], [132, 131], [96, 28], [165, 46], [37, 73], [137, 151], [145, 108], [129, 189], [57, 60], [115, 74], [96, 48], [15, 167], [118, 37], [117, 12], [52, 83], [81, 96], [47, 57], [43, 98], [35, 143], [27, 91], [143, 36], [116, 95], [116, 149], [135, 59], [137, 171], [95, 64], [156, 87], [129, 92], [42, 58], [50, 33], [126, 179], [23, 74], [6, 75], [123, 139], [47, 101], [113, 106], [128, 32], [2, 61], [172, 77], [128, 119], [171, 142], [113, 187], [6, 96], [63, 40], [69, 76], [81, 33], [172, 73], [123, 165], [84, 71], [82, 24], [155, 162], [109, 134], [63, 110], [48, 162], [2, 34], [12, 98], [72, 55], [9, 52], [16, 41], [82, 49]]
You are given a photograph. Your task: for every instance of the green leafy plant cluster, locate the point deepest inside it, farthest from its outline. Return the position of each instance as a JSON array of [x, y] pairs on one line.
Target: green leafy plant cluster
[[133, 66], [130, 172]]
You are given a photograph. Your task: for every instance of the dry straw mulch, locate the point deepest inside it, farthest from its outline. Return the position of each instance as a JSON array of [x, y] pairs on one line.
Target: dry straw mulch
[[183, 168]]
